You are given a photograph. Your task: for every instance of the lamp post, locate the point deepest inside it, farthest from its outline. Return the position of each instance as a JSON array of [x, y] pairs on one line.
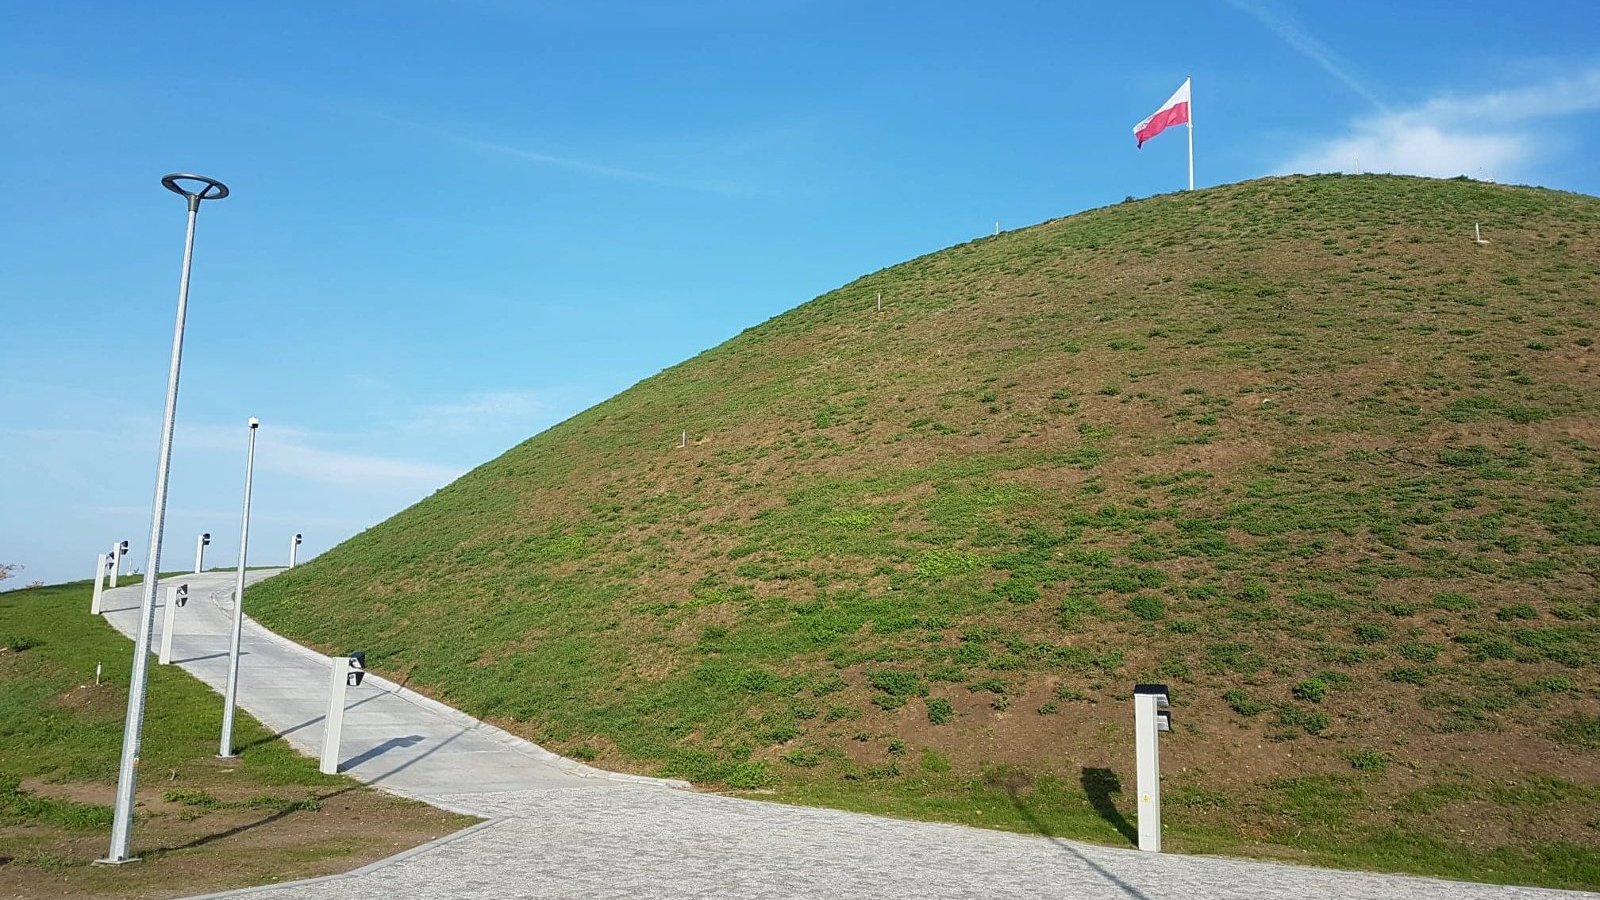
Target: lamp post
[[225, 748], [194, 189], [294, 548], [200, 552]]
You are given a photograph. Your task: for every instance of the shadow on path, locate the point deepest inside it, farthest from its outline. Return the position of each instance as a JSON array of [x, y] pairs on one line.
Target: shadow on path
[[410, 740], [179, 662], [308, 723], [416, 759]]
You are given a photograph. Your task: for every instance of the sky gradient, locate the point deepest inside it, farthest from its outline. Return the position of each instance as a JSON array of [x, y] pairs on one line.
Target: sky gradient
[[455, 224]]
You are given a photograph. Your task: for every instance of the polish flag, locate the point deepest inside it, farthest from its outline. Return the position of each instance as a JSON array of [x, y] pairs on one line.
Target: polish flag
[[1173, 112]]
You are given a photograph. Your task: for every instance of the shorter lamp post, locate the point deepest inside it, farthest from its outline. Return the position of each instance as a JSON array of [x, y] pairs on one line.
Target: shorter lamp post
[[231, 694], [294, 548], [200, 552]]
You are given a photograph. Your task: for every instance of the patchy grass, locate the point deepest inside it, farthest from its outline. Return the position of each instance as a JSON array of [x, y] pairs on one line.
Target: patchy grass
[[201, 824], [1284, 433]]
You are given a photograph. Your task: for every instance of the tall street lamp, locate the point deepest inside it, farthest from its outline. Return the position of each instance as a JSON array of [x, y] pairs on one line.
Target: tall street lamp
[[194, 189], [231, 694]]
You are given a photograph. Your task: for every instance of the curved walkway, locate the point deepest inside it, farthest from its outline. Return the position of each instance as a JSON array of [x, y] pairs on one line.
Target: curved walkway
[[558, 828]]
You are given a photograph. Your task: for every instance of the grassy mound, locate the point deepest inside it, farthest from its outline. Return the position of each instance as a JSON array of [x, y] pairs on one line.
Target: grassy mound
[[1297, 447]]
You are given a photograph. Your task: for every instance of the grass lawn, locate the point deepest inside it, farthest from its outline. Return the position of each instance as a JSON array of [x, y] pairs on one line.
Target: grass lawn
[[201, 824]]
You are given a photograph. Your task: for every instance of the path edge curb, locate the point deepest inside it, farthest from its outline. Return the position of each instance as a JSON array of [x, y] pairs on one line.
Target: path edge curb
[[369, 868]]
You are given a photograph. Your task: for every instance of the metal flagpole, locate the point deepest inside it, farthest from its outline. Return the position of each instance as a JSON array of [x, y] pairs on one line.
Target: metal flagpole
[[1189, 81], [133, 727], [232, 692]]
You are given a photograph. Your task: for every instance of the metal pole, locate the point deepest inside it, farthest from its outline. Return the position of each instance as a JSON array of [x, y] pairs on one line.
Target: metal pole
[[225, 748], [1190, 83], [133, 727], [200, 552]]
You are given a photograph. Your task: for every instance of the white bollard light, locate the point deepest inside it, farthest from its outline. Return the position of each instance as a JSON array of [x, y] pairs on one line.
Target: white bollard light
[[1150, 718], [177, 596], [344, 672], [102, 565], [200, 544], [118, 550], [294, 548]]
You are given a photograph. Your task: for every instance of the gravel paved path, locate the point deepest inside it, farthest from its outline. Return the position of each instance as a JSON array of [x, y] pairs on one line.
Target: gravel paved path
[[560, 829]]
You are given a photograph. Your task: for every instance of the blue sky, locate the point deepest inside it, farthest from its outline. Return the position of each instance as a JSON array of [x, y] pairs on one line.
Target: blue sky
[[456, 223]]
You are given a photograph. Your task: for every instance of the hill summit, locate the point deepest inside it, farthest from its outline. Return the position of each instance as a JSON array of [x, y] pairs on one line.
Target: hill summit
[[1299, 448]]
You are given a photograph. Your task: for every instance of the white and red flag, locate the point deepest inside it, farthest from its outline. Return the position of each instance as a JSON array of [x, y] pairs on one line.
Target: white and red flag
[[1173, 112], [1176, 111]]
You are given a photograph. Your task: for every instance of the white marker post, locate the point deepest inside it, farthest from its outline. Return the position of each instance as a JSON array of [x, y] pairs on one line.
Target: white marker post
[[102, 566], [1477, 234], [880, 301], [294, 548], [200, 552], [177, 595], [344, 672], [1149, 719]]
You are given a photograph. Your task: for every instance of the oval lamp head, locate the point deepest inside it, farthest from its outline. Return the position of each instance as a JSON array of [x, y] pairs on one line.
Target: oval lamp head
[[255, 422]]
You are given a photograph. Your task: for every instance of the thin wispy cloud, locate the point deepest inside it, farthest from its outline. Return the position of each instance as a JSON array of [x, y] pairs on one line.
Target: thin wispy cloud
[[1485, 135], [567, 163], [484, 410], [1308, 46], [1557, 97], [294, 452]]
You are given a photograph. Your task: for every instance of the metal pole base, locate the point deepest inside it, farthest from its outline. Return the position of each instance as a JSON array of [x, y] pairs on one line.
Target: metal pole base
[[116, 862]]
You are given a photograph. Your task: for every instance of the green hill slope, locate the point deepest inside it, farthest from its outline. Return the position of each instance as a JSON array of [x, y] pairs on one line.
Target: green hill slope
[[1297, 447]]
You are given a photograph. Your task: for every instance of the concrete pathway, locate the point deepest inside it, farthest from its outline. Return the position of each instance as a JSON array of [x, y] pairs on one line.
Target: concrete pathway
[[558, 828]]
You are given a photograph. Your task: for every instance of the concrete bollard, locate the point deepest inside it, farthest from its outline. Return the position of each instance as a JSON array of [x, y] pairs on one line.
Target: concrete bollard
[[1150, 718], [177, 596], [344, 672], [102, 567], [118, 550]]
